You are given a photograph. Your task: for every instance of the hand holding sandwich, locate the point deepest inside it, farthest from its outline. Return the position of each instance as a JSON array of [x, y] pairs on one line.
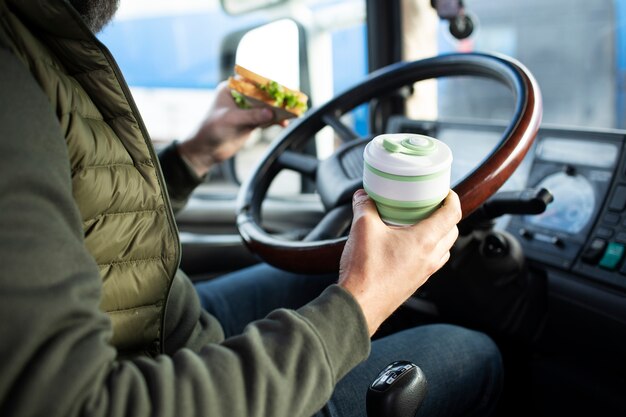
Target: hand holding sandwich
[[223, 132], [246, 102]]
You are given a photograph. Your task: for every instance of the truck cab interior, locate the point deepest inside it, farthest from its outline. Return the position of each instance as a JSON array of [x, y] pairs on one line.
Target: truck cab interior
[[531, 98]]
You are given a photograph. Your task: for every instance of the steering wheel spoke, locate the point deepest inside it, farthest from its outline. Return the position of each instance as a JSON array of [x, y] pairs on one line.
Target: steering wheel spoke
[[304, 164], [345, 133], [334, 224]]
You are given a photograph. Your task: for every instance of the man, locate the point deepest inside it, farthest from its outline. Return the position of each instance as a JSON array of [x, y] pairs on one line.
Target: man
[[95, 317]]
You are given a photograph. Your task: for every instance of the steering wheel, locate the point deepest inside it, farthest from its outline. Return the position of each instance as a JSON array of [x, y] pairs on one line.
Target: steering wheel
[[340, 175]]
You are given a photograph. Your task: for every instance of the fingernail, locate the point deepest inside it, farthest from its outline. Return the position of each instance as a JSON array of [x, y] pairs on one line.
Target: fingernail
[[359, 195]]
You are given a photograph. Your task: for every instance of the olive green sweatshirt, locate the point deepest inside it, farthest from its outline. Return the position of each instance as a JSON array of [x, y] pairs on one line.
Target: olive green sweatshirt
[[55, 342]]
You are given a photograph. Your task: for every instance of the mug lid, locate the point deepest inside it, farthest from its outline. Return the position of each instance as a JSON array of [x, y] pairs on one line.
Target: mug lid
[[407, 154]]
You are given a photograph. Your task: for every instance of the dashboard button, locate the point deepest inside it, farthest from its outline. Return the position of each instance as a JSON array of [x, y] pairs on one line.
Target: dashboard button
[[618, 201], [611, 219], [621, 237], [612, 256], [594, 251], [604, 233]]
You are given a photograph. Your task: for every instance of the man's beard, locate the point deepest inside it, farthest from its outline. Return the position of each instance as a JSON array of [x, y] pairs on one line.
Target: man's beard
[[96, 13]]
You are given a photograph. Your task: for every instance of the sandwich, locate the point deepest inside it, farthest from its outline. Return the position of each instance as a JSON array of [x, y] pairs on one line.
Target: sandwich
[[250, 89]]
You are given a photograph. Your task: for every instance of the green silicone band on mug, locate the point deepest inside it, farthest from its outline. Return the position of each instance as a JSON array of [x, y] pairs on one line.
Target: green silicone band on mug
[[404, 216], [403, 204], [405, 178]]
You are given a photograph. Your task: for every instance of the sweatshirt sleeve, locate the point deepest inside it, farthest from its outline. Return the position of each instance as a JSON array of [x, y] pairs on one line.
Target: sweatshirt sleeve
[[180, 178], [56, 355]]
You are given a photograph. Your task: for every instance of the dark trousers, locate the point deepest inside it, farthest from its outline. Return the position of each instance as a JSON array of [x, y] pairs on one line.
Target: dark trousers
[[463, 367]]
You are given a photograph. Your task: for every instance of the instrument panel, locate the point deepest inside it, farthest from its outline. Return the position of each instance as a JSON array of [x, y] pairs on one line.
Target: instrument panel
[[584, 230]]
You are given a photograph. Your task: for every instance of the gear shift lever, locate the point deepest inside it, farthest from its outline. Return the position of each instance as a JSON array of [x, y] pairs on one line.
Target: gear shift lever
[[397, 391]]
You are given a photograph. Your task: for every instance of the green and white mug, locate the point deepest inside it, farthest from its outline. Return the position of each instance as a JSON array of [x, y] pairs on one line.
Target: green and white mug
[[407, 175]]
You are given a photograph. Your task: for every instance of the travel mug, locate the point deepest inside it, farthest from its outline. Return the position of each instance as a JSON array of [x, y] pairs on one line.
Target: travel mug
[[407, 175]]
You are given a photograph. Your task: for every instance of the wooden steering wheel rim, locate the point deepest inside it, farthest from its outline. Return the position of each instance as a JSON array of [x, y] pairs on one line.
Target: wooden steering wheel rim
[[323, 256]]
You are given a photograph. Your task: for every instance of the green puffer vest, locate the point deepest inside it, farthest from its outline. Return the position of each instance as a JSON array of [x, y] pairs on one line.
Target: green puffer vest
[[117, 183]]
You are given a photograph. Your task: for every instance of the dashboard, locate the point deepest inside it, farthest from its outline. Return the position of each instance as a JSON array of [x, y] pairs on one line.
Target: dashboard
[[566, 307], [583, 232]]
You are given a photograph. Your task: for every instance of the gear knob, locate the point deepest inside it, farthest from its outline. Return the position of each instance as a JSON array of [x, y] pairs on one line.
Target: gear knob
[[397, 391]]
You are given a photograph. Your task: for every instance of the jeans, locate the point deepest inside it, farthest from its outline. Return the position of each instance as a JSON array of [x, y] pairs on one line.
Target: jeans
[[463, 367]]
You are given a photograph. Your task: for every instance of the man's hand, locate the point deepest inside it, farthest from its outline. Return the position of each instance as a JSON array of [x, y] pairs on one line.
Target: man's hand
[[383, 266], [223, 132]]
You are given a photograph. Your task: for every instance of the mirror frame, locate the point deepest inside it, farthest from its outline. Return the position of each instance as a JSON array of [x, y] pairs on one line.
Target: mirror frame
[[234, 8]]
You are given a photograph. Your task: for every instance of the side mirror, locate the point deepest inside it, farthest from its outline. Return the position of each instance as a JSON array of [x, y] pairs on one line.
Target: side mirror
[[272, 50], [275, 51]]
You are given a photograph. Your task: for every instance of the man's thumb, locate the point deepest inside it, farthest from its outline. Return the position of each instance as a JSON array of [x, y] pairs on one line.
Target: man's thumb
[[362, 204]]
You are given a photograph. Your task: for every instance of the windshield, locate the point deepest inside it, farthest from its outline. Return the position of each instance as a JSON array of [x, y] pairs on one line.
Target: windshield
[[575, 49], [174, 54]]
